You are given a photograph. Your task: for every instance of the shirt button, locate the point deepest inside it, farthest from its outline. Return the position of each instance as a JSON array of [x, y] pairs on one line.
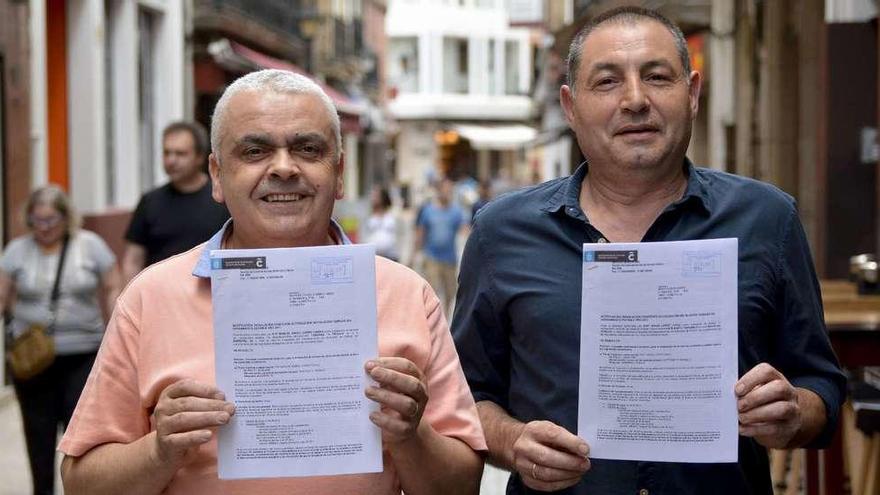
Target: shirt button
[[643, 491], [603, 240]]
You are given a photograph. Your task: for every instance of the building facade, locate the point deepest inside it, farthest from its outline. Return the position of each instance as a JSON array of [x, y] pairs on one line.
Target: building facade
[[107, 76], [15, 122], [459, 89]]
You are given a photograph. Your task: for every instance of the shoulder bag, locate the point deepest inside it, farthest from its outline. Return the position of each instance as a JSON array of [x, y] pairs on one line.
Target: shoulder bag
[[32, 352]]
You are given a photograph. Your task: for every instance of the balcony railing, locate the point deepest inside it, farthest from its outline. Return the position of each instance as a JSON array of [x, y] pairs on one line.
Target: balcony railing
[[285, 16]]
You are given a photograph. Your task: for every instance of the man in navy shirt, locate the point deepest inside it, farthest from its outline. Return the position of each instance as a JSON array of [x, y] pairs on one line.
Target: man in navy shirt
[[631, 99]]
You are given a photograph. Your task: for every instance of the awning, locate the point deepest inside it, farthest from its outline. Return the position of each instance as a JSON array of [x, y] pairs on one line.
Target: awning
[[500, 137], [239, 58]]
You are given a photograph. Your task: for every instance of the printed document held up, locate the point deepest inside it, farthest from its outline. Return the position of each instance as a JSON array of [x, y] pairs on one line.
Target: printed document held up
[[659, 351], [292, 331]]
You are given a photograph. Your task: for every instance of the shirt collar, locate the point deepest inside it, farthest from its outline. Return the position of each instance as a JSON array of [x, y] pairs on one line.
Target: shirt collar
[[697, 191], [203, 265], [567, 196]]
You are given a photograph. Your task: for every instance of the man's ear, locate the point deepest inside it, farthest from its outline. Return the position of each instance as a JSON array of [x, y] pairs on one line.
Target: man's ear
[[340, 174], [696, 82], [566, 99], [216, 186]]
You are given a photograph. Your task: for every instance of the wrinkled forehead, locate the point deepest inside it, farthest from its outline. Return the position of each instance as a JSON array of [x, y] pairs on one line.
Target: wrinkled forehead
[[628, 40], [276, 112], [253, 103]]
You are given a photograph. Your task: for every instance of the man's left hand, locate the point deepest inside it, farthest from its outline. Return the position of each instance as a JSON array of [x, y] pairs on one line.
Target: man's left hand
[[768, 406], [402, 393]]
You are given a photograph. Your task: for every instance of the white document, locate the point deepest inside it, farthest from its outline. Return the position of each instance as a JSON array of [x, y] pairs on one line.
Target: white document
[[659, 351], [293, 329]]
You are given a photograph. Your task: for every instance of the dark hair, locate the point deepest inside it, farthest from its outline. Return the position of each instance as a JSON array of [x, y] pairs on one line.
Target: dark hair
[[195, 129], [623, 15], [384, 198]]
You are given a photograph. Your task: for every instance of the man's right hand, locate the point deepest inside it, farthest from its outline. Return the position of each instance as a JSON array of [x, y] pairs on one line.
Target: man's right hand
[[549, 457], [184, 417]]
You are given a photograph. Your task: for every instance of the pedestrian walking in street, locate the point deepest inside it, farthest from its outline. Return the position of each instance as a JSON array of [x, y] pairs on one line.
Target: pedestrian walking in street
[[148, 417], [438, 225], [180, 214], [631, 99], [51, 282], [382, 228]]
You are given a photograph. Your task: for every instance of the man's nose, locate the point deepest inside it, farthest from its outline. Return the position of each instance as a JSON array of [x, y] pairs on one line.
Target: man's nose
[[284, 165], [634, 98]]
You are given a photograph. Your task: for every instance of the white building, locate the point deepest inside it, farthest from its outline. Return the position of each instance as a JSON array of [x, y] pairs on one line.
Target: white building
[[108, 75], [457, 65]]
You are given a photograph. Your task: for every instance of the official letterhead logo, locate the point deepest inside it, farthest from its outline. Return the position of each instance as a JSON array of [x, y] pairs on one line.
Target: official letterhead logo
[[249, 263], [630, 256]]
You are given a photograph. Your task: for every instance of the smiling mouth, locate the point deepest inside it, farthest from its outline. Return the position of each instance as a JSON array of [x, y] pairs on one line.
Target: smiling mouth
[[282, 198], [638, 130]]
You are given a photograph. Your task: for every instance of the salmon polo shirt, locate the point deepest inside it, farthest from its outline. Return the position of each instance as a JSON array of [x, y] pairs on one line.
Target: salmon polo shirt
[[161, 332]]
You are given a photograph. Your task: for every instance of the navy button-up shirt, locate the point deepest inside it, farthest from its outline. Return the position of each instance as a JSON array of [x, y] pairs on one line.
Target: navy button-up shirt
[[517, 315]]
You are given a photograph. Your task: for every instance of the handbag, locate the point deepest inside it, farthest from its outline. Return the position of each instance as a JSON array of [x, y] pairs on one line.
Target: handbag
[[32, 352]]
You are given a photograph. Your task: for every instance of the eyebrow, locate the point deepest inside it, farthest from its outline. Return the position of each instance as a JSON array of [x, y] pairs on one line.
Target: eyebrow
[[611, 66], [262, 139], [661, 63]]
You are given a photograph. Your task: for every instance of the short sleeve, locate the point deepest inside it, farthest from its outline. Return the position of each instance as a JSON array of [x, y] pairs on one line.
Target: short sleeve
[[100, 252], [138, 229], [450, 410], [480, 336], [109, 409], [11, 260], [805, 355]]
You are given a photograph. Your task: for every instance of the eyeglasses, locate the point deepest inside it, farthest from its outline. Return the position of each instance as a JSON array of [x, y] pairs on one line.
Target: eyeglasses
[[44, 222]]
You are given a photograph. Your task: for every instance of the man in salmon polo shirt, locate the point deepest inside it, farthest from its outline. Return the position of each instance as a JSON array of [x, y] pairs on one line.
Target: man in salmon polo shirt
[[145, 423]]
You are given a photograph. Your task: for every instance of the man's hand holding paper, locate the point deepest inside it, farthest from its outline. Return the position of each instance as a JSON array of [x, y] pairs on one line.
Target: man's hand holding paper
[[774, 412], [185, 415], [402, 395], [549, 457]]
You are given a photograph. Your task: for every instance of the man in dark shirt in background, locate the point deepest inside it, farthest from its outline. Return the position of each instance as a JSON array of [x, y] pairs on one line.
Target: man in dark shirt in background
[[631, 99], [180, 214]]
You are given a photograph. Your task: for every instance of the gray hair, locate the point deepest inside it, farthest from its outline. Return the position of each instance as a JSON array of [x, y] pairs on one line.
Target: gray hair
[[52, 195], [625, 15], [277, 81]]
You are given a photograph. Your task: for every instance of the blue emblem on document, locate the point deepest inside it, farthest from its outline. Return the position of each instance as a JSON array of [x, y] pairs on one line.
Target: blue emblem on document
[[701, 264], [335, 270]]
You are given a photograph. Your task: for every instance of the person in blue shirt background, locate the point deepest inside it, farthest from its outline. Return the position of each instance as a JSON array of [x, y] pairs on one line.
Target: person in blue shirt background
[[437, 226]]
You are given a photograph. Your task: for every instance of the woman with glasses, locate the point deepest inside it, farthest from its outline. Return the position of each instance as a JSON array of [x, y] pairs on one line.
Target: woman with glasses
[[88, 283]]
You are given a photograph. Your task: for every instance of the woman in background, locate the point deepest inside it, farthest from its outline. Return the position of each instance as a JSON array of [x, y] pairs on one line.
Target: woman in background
[[381, 228], [28, 269]]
